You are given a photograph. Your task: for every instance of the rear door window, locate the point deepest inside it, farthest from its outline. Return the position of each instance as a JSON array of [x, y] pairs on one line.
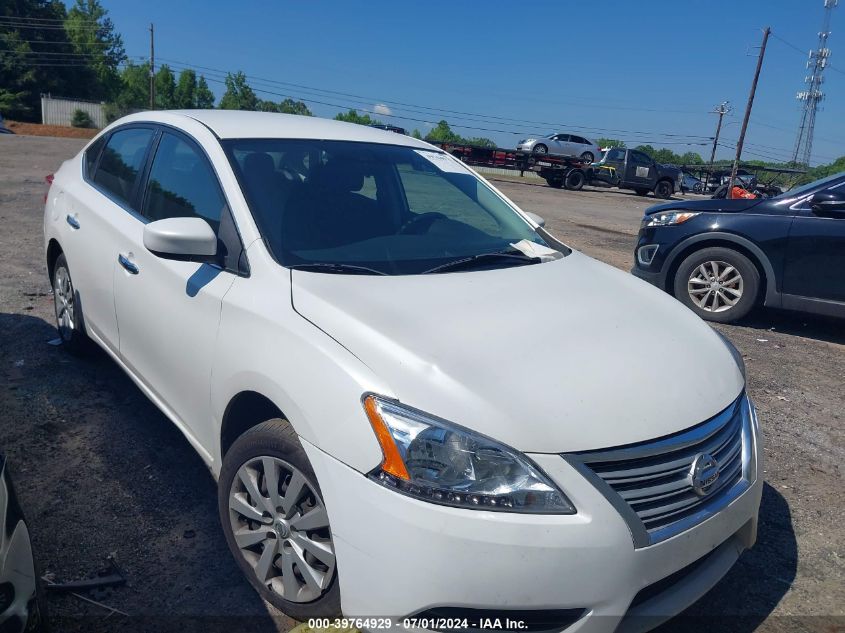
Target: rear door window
[[182, 184], [121, 162]]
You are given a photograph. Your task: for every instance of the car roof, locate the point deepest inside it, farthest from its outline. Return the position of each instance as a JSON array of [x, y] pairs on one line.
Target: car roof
[[228, 124]]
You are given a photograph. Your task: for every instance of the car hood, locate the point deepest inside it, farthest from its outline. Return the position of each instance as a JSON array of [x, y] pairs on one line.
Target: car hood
[[561, 356], [713, 205]]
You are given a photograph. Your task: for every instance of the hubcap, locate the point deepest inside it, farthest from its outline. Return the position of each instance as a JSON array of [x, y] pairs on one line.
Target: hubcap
[[64, 302], [540, 149], [715, 286], [281, 527]]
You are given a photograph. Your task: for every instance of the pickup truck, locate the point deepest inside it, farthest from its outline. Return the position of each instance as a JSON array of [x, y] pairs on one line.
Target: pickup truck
[[632, 169]]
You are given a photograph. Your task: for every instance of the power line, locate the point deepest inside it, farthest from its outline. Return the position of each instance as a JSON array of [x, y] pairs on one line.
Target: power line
[[428, 110]]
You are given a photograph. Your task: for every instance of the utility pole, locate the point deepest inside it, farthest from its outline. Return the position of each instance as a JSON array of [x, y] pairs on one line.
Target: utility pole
[[152, 68], [813, 95], [722, 109], [747, 116]]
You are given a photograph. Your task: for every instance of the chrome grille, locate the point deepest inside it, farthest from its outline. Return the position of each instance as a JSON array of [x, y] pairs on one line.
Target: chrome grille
[[652, 480]]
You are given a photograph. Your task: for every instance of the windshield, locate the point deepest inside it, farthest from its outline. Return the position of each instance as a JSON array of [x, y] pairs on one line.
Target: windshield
[[804, 189], [339, 206]]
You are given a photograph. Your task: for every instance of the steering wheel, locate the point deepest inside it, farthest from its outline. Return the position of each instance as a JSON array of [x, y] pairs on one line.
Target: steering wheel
[[421, 223]]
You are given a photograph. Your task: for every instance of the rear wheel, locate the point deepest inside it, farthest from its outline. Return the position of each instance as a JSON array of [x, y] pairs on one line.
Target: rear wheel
[[575, 180], [68, 309], [588, 156], [557, 183], [663, 189], [276, 524], [718, 284], [540, 149]]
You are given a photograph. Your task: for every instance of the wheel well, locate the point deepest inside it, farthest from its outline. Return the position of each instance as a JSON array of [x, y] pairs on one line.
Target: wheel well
[[245, 410], [53, 252], [697, 246]]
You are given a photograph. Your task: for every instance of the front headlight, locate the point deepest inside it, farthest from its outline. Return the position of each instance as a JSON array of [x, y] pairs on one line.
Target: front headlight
[[439, 462], [668, 218], [529, 140]]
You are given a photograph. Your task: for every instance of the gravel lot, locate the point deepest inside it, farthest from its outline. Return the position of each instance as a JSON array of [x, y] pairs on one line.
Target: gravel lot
[[102, 473]]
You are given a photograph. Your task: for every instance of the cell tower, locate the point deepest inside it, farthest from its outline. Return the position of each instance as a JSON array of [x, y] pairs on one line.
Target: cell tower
[[813, 95]]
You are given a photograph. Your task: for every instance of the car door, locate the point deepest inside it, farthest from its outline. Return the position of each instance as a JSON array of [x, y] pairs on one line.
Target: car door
[[98, 211], [168, 310], [815, 257], [561, 144], [580, 145], [640, 171]]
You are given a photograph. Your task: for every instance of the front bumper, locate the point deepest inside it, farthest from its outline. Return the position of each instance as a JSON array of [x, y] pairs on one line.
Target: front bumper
[[655, 278], [398, 556]]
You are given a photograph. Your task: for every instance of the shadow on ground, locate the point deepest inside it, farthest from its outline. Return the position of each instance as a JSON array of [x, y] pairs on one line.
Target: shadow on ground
[[757, 582], [101, 472], [820, 328]]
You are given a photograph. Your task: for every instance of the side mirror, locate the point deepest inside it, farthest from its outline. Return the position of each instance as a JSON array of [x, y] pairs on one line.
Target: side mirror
[[828, 202], [538, 220], [189, 239]]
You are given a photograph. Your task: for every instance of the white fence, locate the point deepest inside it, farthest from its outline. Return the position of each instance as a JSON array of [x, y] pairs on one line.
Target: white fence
[[57, 111]]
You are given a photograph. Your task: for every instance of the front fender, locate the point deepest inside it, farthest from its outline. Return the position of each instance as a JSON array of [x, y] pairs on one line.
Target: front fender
[[264, 346]]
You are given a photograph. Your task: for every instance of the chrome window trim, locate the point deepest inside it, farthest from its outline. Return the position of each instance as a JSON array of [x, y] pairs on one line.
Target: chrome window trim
[[640, 535]]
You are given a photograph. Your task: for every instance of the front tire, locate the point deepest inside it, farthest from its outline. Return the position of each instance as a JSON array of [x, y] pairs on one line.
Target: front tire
[[68, 309], [718, 284], [540, 149], [276, 524]]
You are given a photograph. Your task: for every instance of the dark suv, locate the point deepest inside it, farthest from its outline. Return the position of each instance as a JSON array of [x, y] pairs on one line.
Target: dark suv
[[723, 257]]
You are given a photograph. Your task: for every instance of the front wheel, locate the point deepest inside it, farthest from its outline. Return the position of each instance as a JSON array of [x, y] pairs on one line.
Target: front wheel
[[718, 284], [540, 149], [276, 524]]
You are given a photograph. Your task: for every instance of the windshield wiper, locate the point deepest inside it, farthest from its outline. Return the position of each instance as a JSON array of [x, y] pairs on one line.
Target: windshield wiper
[[516, 257], [337, 267]]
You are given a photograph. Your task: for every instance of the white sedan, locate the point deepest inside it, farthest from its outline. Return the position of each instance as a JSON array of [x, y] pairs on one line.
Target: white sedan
[[417, 402]]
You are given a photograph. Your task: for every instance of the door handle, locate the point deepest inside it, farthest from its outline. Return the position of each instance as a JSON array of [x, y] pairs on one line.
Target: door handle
[[71, 219], [124, 261]]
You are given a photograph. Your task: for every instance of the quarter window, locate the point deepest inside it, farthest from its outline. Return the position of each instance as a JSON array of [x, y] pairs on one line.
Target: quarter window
[[122, 159], [182, 184], [92, 154]]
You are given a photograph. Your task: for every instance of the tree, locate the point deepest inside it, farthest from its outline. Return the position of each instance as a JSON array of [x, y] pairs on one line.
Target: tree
[[185, 95], [442, 133], [289, 106], [134, 93], [21, 82], [92, 33], [416, 134], [238, 95], [165, 83], [610, 142], [353, 117], [81, 118], [204, 97]]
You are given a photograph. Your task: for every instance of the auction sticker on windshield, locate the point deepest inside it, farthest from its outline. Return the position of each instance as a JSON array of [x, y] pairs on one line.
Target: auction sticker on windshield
[[443, 162]]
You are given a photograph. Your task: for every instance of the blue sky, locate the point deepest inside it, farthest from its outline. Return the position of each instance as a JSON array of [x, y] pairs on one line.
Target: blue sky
[[640, 71]]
